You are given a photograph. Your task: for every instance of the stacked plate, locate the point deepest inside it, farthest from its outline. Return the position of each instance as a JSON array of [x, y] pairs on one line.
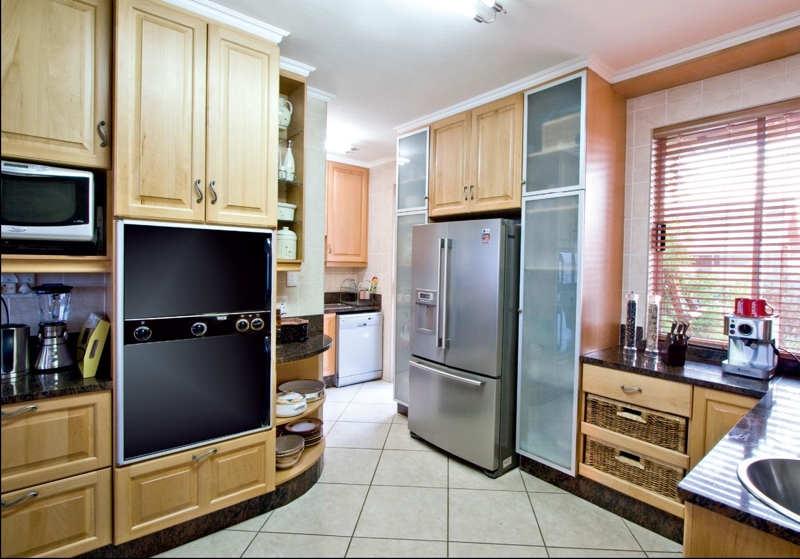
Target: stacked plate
[[309, 428], [288, 449], [311, 389]]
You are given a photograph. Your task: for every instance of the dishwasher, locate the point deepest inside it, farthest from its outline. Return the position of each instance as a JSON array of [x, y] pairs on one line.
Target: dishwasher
[[359, 348]]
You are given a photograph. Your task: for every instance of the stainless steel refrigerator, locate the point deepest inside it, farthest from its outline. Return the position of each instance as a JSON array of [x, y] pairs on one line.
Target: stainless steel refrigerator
[[463, 366]]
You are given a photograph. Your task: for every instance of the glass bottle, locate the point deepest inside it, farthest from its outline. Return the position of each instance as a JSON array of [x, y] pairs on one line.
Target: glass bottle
[[288, 163], [632, 300], [652, 325]]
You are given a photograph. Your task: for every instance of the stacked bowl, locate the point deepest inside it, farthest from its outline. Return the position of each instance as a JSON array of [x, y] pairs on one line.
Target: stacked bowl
[[309, 428], [288, 449]]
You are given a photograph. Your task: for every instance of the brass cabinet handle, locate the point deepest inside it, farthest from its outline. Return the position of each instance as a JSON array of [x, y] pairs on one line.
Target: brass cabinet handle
[[199, 191], [213, 192], [102, 133], [471, 196], [465, 192], [20, 410], [18, 500], [197, 458], [629, 389]]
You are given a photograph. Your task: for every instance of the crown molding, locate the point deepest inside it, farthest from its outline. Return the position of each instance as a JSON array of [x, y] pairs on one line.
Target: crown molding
[[709, 47], [296, 67], [519, 85], [214, 11], [390, 159], [346, 160], [319, 94]]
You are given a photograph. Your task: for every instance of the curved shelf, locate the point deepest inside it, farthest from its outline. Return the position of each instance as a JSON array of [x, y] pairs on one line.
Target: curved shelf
[[313, 406], [309, 457]]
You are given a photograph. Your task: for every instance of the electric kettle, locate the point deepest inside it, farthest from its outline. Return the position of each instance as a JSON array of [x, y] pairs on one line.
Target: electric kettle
[[15, 361]]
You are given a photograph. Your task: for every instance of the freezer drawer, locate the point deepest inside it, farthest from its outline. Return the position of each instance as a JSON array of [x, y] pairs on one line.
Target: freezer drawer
[[458, 412]]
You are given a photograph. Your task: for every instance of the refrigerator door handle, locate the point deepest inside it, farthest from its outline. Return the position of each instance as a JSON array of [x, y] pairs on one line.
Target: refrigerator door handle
[[446, 245], [448, 375], [439, 290]]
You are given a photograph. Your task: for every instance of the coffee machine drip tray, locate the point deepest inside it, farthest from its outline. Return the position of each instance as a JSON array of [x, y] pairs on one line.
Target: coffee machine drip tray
[[748, 370]]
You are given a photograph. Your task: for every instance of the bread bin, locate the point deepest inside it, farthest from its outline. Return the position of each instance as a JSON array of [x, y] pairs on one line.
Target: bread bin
[[287, 244]]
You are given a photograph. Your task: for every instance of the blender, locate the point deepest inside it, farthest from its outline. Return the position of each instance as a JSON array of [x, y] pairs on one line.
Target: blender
[[53, 311]]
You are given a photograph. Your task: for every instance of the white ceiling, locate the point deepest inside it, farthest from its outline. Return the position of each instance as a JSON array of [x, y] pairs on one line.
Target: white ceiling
[[391, 63]]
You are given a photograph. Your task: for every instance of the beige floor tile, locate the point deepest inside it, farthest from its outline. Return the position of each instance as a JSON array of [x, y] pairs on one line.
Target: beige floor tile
[[400, 418], [503, 517], [466, 476], [357, 435], [535, 485], [225, 543], [344, 394], [380, 547], [650, 541], [411, 469], [577, 552], [349, 465], [325, 510], [368, 413], [664, 554], [400, 439], [457, 549], [376, 392], [411, 513], [569, 521], [252, 525], [297, 545], [332, 410]]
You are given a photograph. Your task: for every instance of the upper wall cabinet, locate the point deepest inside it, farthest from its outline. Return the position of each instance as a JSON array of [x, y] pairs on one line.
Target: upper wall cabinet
[[346, 215], [195, 119], [476, 161], [56, 100]]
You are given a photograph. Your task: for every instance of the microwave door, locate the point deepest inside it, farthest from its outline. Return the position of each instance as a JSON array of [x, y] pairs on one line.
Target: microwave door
[[428, 250]]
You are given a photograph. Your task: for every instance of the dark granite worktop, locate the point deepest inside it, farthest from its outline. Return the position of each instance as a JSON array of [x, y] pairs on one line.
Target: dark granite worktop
[[769, 429], [314, 345], [51, 385]]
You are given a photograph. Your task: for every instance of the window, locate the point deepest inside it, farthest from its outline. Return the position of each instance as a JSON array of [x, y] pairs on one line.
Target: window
[[725, 219]]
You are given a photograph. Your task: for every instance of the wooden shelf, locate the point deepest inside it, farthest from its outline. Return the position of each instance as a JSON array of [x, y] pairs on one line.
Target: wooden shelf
[[289, 265], [41, 264], [309, 457], [313, 406]]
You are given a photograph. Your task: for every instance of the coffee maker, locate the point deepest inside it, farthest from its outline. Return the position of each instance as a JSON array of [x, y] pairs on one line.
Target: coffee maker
[[752, 351], [53, 312]]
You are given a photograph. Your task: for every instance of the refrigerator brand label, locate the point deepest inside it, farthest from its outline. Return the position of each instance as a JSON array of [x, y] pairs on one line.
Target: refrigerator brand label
[[485, 236]]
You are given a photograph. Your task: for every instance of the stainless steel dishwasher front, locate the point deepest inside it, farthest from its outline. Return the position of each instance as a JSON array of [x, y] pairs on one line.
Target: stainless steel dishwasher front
[[359, 347]]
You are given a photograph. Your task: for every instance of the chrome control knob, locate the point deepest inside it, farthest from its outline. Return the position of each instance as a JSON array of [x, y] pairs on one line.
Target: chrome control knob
[[242, 325], [256, 324], [199, 328], [142, 333]]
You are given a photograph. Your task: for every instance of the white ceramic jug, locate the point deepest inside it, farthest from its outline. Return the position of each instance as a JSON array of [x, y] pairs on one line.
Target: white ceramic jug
[[284, 113]]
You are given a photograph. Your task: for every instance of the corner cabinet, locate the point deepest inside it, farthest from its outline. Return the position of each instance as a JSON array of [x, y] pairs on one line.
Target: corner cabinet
[[346, 215], [475, 159], [329, 357], [195, 119], [714, 413], [56, 81]]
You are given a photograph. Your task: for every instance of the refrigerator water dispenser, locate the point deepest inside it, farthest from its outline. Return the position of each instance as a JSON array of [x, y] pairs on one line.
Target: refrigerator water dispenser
[[426, 311]]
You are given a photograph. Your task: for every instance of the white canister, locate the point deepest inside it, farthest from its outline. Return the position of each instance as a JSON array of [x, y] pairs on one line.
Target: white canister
[[286, 211], [287, 244]]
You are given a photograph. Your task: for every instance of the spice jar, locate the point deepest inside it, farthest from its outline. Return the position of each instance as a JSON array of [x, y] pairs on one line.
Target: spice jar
[[652, 325], [632, 300]]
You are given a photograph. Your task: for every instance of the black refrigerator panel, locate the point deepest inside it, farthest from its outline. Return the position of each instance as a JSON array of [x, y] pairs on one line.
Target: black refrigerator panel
[[178, 271]]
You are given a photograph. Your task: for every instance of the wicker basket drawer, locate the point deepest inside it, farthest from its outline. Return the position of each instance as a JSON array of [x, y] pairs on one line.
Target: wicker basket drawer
[[640, 470], [659, 428]]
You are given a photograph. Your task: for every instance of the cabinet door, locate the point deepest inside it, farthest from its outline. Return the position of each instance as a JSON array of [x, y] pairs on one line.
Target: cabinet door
[[496, 162], [55, 438], [547, 384], [347, 214], [329, 357], [59, 519], [412, 171], [160, 112], [714, 413], [449, 164], [242, 158], [56, 90]]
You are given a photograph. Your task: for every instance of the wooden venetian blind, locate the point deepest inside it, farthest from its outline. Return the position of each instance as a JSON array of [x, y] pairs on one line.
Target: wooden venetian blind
[[725, 220]]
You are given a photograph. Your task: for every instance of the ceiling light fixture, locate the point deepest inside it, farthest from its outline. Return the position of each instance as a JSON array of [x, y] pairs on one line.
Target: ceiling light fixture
[[496, 8]]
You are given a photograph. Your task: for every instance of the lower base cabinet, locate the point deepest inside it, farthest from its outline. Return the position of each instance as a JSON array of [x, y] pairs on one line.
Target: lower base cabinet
[[329, 357], [163, 492], [62, 518], [714, 414]]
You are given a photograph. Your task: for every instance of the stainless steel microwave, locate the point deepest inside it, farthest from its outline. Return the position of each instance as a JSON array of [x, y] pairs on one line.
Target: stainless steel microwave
[[42, 203]]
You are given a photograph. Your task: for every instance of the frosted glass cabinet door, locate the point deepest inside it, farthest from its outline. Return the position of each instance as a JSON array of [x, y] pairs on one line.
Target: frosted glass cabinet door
[[553, 136], [547, 386], [402, 311], [412, 171]]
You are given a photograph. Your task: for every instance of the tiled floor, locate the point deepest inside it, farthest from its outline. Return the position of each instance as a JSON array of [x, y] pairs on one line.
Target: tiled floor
[[384, 494]]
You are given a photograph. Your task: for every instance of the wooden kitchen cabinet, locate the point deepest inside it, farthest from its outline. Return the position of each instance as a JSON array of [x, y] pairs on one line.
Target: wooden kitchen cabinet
[[346, 215], [329, 357], [196, 129], [476, 159], [163, 492], [714, 414], [56, 96]]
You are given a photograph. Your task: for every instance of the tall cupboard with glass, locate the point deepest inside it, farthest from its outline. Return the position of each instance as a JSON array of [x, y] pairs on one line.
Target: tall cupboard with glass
[[571, 269]]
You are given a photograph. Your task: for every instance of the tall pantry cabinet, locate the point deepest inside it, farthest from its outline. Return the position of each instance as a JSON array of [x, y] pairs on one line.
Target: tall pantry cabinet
[[572, 237]]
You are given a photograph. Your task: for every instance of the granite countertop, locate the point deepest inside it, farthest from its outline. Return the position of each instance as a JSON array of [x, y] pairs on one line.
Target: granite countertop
[[36, 386], [769, 430], [314, 345], [353, 309]]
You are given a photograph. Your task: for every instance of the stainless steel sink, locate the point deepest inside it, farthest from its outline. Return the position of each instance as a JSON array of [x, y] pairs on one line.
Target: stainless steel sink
[[337, 306], [775, 481]]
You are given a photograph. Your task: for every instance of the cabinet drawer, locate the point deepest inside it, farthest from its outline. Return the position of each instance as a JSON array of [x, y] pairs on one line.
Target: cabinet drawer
[[58, 438], [64, 518], [640, 390]]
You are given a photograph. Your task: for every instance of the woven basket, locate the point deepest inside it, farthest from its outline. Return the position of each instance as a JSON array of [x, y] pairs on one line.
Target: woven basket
[[658, 428], [640, 470]]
